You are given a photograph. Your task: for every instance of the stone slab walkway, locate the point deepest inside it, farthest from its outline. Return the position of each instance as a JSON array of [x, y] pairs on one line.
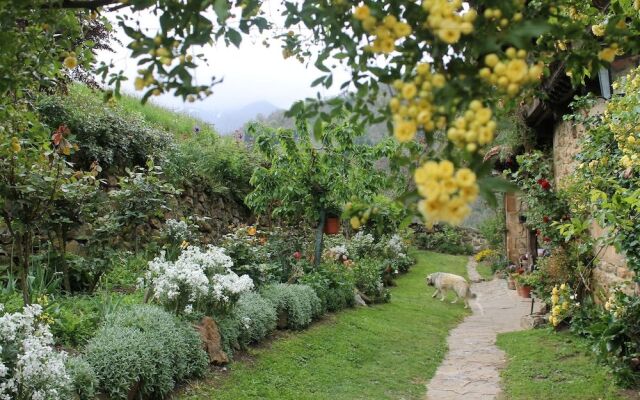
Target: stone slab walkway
[[471, 369]]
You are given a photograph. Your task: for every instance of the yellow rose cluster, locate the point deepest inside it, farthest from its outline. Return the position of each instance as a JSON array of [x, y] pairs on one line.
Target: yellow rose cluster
[[386, 32], [619, 119], [560, 304], [413, 107], [446, 20], [447, 193], [474, 128], [612, 305], [608, 54], [511, 74]]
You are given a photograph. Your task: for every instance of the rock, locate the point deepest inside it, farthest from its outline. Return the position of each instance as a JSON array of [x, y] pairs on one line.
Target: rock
[[155, 223], [359, 301], [211, 341], [532, 321], [82, 232]]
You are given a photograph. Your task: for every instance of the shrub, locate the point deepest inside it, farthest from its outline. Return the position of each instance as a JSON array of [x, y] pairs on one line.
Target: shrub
[[362, 245], [197, 278], [493, 229], [76, 320], [299, 303], [30, 368], [146, 346], [218, 163], [115, 138], [257, 316], [229, 326], [333, 283], [83, 378], [368, 278], [445, 239]]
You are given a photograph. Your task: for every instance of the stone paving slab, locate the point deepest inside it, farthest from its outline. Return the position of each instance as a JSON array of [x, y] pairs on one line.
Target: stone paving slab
[[471, 368]]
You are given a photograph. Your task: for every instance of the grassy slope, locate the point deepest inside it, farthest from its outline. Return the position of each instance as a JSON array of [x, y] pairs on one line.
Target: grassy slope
[[179, 124], [384, 352], [547, 365]]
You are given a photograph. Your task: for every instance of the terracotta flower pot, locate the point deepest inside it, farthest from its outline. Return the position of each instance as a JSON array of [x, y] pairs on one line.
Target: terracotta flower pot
[[332, 226], [524, 291]]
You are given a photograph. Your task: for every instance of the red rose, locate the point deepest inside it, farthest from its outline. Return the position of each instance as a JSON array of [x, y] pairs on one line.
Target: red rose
[[297, 255], [546, 219], [537, 232], [547, 239], [544, 184]]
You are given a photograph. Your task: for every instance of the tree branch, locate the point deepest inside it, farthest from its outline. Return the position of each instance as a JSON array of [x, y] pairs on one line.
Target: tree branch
[[88, 4]]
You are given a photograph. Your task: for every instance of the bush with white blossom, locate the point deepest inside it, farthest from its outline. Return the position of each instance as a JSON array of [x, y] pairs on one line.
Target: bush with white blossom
[[362, 245], [338, 253], [197, 279], [30, 368], [179, 231]]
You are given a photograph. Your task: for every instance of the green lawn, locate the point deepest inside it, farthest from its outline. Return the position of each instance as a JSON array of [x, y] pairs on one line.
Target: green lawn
[[387, 351], [484, 269], [548, 365]]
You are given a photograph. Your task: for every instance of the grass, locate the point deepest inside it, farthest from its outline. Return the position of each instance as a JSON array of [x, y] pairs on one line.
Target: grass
[[485, 271], [388, 351], [548, 365], [179, 124]]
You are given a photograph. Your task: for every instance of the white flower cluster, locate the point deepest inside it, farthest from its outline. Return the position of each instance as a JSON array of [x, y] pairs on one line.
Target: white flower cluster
[[338, 252], [38, 370], [396, 246], [196, 275], [361, 244], [178, 231]]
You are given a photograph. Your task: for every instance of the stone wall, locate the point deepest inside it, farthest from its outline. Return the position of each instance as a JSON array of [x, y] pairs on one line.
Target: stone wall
[[611, 268]]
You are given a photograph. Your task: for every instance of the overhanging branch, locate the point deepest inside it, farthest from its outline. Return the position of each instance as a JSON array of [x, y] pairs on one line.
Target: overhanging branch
[[87, 4]]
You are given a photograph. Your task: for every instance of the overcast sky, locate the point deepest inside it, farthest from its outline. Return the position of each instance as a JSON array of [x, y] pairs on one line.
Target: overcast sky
[[251, 73]]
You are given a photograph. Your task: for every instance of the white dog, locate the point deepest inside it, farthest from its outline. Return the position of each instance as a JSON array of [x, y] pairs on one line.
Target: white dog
[[444, 281]]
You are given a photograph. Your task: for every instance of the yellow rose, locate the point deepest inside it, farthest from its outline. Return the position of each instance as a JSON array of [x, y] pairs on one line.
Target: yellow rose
[[355, 222], [402, 29], [446, 168], [491, 60], [516, 70], [387, 45], [608, 54], [362, 12], [597, 30], [369, 23], [70, 62], [449, 31], [405, 131], [438, 80], [409, 91], [465, 177]]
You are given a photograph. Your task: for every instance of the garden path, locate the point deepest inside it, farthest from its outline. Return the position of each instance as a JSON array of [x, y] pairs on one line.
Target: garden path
[[471, 369]]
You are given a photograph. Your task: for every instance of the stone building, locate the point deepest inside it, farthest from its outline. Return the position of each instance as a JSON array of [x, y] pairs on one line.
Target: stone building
[[545, 118]]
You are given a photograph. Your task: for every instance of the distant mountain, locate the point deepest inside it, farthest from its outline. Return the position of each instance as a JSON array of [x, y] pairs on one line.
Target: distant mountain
[[228, 121]]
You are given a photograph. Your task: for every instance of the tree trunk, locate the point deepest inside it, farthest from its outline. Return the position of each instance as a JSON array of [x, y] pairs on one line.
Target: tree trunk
[[319, 238], [24, 251], [62, 235]]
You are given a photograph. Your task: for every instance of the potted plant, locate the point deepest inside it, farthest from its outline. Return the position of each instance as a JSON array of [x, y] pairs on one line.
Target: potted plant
[[526, 283], [332, 222]]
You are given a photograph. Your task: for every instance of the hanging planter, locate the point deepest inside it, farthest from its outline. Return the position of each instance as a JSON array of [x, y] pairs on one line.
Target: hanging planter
[[332, 225]]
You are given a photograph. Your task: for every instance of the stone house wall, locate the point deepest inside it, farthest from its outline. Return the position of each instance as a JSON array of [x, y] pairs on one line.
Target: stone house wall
[[611, 267]]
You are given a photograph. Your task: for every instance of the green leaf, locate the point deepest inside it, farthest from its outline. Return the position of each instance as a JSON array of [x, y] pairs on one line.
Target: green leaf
[[234, 37], [222, 10]]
